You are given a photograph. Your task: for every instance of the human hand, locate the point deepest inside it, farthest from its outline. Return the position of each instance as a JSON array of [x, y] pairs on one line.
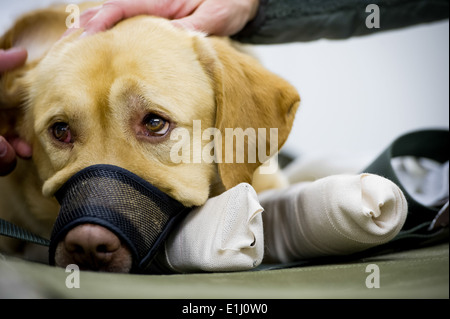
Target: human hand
[[13, 146], [9, 149], [213, 17]]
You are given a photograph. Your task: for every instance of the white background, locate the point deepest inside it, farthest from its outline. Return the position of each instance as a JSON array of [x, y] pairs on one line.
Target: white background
[[357, 94]]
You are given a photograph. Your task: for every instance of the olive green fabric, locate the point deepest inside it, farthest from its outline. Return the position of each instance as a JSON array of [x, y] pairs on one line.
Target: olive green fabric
[[418, 273]]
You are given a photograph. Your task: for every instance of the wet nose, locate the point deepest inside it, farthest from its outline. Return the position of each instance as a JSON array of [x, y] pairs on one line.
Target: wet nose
[[91, 240], [93, 247]]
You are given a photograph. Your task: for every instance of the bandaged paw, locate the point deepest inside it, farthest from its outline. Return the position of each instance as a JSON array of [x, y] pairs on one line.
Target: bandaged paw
[[225, 234], [335, 215]]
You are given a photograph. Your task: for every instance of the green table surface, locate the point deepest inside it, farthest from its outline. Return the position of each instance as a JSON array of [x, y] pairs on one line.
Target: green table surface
[[416, 273]]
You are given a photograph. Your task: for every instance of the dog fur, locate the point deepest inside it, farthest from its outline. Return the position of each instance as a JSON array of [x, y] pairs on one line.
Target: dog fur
[[103, 86]]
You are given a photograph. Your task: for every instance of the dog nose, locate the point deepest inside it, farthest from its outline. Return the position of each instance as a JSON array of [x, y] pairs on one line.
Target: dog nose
[[92, 240], [93, 247]]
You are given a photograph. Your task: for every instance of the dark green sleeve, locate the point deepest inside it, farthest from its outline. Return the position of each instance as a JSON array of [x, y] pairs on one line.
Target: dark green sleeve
[[282, 21]]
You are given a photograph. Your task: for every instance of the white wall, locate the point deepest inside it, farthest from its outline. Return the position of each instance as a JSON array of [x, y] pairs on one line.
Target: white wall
[[357, 94], [361, 93]]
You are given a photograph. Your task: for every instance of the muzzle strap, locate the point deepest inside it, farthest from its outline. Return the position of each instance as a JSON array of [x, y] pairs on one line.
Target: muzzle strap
[[136, 211]]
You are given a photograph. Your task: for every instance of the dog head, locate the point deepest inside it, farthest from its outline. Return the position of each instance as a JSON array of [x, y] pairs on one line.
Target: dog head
[[119, 97]]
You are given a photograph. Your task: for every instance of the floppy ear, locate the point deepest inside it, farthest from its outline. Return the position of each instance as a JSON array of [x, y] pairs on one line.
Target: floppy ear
[[36, 32], [247, 96]]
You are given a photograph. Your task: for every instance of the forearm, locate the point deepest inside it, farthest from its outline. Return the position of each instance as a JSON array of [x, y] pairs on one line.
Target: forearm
[[281, 21]]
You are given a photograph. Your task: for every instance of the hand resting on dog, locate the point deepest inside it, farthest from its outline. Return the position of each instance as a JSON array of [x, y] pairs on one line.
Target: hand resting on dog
[[213, 17]]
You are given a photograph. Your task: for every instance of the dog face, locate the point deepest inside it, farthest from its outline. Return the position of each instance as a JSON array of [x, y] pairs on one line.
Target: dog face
[[116, 97]]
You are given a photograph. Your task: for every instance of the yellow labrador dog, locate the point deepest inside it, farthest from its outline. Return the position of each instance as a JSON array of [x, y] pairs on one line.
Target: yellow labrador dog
[[115, 98]]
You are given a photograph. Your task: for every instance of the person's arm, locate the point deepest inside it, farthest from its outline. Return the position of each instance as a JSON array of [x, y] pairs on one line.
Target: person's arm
[[282, 21]]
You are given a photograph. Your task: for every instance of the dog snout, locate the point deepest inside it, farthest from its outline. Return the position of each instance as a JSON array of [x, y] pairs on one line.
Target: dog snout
[[93, 247]]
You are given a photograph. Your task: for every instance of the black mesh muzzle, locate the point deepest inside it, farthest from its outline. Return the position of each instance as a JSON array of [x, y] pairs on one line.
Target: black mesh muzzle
[[136, 211]]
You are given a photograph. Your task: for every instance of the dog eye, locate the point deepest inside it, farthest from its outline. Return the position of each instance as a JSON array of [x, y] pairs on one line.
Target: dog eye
[[61, 132], [156, 125]]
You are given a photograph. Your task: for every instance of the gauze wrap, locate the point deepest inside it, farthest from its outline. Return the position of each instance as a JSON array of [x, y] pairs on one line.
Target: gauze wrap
[[225, 234], [335, 215]]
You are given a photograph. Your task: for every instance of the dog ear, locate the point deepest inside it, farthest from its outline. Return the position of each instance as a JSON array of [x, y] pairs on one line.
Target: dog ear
[[248, 96], [36, 32]]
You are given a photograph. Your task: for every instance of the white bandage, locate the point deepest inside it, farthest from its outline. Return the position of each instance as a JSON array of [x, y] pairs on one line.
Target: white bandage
[[335, 215], [225, 234]]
